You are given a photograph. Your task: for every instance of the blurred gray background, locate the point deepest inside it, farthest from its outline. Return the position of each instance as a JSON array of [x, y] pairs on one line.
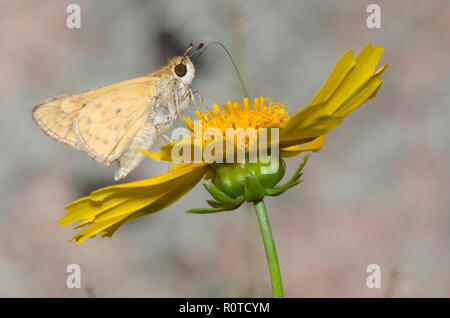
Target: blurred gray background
[[378, 191]]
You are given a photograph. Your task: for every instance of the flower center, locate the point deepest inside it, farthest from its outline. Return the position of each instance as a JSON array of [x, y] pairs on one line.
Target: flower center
[[235, 115]]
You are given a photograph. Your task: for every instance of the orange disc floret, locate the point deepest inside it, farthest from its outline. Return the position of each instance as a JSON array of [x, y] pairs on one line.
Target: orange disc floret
[[262, 113]]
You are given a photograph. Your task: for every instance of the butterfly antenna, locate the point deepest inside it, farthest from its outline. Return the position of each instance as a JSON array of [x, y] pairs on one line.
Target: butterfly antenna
[[200, 52], [191, 45], [199, 47]]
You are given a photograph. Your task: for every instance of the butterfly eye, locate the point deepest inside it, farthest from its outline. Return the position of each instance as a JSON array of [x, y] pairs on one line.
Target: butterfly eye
[[180, 70]]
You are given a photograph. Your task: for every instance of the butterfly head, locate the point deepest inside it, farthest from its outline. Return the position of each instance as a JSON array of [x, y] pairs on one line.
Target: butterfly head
[[183, 69]]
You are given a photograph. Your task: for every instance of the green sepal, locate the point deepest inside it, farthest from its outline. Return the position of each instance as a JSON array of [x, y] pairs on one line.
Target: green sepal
[[218, 208], [297, 173], [221, 196], [253, 189], [295, 179], [280, 189], [206, 210], [214, 204]]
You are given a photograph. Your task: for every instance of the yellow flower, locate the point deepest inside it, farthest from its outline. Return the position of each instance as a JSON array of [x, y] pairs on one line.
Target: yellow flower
[[352, 82]]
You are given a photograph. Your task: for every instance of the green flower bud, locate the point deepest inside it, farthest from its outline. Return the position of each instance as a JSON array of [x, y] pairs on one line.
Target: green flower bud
[[232, 184], [233, 178]]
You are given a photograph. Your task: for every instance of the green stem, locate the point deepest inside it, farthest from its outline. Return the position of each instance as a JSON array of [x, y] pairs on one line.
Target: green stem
[[269, 245]]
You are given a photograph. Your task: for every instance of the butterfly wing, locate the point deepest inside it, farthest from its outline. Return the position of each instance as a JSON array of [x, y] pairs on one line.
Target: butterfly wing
[[56, 116], [105, 125]]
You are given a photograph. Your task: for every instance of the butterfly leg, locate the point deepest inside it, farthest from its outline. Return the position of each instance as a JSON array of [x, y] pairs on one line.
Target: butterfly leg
[[167, 138], [196, 93], [191, 95], [181, 100], [160, 136], [176, 98], [164, 101]]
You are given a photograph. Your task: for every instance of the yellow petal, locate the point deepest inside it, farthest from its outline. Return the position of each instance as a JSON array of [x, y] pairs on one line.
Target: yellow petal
[[366, 91], [195, 145], [313, 145], [156, 183], [163, 202], [93, 229], [118, 204], [345, 64], [351, 83], [306, 125], [164, 155], [110, 225]]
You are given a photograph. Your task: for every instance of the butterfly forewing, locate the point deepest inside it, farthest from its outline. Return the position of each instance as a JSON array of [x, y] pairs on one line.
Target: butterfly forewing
[[106, 123]]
